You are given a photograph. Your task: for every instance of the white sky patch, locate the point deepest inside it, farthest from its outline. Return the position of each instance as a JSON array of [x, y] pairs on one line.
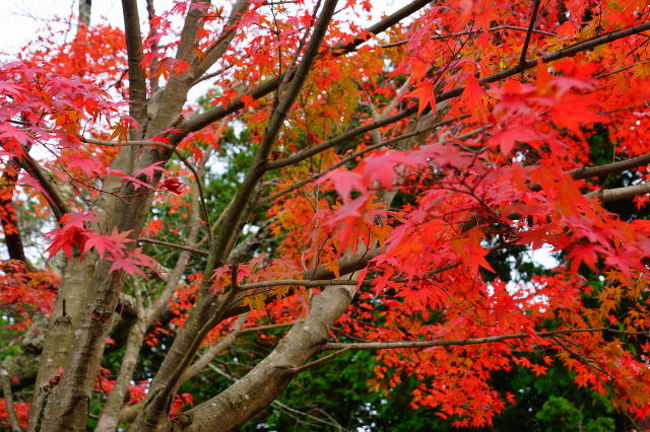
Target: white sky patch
[[544, 257]]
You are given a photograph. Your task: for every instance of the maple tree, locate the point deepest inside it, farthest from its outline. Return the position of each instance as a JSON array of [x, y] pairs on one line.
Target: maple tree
[[375, 174]]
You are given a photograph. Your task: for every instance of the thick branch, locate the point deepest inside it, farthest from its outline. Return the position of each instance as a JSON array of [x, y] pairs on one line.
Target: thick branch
[[281, 406], [263, 384], [110, 416], [299, 282], [52, 195], [84, 14], [610, 168], [153, 65], [625, 192], [383, 25], [219, 47], [210, 309], [137, 84], [186, 47], [165, 106]]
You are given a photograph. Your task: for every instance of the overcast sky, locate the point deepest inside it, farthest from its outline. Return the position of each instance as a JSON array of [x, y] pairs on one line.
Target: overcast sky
[[22, 19]]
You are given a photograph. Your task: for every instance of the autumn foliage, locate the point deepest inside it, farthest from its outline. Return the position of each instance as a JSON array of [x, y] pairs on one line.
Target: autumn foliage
[[390, 169]]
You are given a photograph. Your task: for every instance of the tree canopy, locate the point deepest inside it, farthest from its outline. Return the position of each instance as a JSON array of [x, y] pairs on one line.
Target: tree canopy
[[348, 208]]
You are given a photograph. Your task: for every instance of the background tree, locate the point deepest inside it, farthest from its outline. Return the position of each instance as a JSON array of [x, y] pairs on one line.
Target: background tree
[[341, 190]]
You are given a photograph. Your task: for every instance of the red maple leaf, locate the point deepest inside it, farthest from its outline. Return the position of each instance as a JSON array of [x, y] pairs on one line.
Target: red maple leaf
[[424, 92]]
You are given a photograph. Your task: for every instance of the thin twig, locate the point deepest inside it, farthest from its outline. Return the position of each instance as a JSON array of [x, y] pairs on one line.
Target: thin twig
[[266, 327], [606, 74], [173, 245], [297, 370], [199, 185], [125, 143]]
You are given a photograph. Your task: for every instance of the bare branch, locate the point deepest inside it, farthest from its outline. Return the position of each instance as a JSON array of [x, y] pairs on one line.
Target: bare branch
[[199, 185], [610, 168], [52, 195], [621, 193], [126, 143], [299, 282], [619, 70], [529, 33], [174, 246], [84, 14], [207, 76], [137, 84], [321, 360], [266, 327], [153, 65], [383, 25], [452, 342]]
